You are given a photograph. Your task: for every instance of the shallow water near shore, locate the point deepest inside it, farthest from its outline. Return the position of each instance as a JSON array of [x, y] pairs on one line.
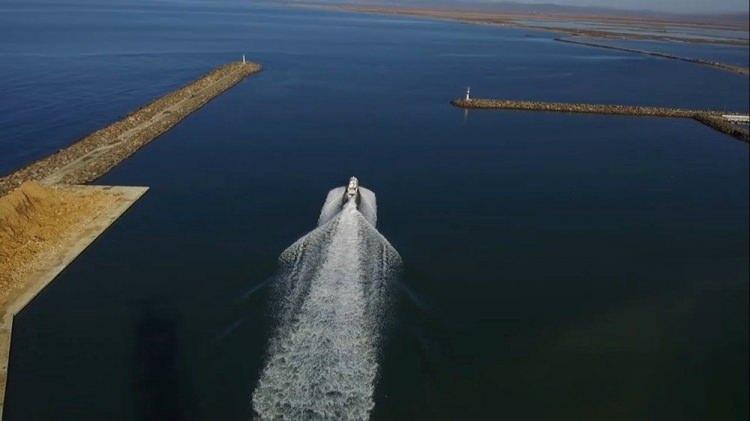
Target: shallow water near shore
[[554, 266]]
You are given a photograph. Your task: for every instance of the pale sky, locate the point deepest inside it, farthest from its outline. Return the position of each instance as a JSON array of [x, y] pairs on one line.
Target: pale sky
[[685, 6]]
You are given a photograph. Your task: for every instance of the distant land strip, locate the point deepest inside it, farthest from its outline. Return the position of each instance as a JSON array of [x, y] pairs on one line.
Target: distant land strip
[[515, 19], [715, 119], [99, 152], [721, 66], [639, 37]]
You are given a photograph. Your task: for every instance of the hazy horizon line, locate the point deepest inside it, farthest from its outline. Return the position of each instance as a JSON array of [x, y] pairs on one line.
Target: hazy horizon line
[[583, 5]]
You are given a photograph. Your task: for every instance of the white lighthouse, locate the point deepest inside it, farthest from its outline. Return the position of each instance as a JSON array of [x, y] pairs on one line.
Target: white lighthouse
[[468, 94]]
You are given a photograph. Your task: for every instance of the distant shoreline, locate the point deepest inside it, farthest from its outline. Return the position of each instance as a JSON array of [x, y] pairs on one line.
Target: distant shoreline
[[514, 19]]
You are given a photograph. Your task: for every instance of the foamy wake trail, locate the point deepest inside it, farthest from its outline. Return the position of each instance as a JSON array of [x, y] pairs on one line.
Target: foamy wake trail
[[335, 200], [332, 294]]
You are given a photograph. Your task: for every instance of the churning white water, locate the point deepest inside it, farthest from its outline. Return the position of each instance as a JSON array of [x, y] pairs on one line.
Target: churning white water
[[332, 293], [335, 201]]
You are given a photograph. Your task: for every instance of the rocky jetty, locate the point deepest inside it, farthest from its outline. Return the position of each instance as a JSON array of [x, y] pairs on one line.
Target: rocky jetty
[[97, 153], [713, 119]]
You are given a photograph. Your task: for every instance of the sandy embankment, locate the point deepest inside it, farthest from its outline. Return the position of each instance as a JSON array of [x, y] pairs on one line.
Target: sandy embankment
[[47, 218], [28, 212], [42, 229]]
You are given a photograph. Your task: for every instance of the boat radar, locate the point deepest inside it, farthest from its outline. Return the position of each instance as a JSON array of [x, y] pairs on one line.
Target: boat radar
[[352, 190]]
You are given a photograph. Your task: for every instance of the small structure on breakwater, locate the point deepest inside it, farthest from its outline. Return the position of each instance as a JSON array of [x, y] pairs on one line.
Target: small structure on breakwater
[[742, 119], [721, 121]]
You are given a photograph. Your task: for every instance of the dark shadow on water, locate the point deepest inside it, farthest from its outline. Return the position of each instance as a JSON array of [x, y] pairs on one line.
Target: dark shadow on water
[[159, 382]]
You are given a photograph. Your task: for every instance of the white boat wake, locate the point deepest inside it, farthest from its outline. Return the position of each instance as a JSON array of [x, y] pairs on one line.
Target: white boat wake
[[332, 292]]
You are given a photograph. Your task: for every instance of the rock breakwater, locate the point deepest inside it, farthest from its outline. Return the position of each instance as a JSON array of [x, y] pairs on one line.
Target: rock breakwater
[[714, 119], [718, 65], [97, 153]]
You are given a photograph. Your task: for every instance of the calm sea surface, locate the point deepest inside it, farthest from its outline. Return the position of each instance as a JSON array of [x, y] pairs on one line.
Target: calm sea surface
[[556, 266]]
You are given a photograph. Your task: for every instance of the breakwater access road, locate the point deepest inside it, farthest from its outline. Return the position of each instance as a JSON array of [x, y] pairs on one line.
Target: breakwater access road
[[715, 64], [99, 152], [722, 121]]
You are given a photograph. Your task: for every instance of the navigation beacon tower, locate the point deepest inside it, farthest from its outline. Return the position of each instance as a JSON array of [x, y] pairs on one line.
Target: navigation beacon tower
[[468, 94]]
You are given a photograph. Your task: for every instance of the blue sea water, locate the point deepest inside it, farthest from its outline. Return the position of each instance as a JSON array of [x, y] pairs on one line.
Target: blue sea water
[[555, 266]]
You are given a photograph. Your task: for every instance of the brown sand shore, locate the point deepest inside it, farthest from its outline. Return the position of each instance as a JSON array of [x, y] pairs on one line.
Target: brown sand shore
[[546, 23], [47, 218], [97, 153], [714, 119], [521, 20], [42, 229]]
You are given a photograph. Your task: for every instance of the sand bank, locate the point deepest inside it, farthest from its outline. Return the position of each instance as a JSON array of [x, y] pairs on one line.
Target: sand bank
[[42, 229], [47, 218]]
